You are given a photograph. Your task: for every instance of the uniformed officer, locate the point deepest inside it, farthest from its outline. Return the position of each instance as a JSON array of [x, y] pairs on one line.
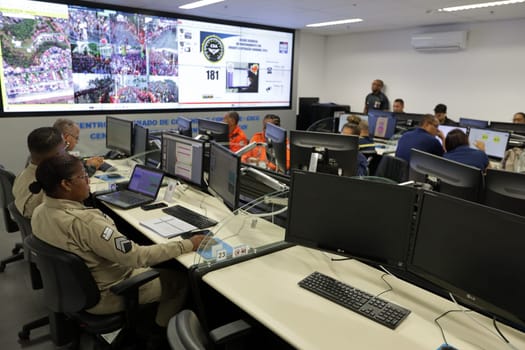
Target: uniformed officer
[[64, 222], [238, 138], [42, 143]]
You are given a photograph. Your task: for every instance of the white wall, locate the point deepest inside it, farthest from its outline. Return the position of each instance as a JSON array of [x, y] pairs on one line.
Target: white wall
[[310, 62], [485, 81]]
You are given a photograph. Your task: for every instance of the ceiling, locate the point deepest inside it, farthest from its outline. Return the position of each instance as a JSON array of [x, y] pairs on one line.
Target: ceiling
[[295, 14]]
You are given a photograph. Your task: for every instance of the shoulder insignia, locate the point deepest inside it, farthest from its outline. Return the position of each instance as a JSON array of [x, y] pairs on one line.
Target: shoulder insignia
[[123, 244], [107, 233]]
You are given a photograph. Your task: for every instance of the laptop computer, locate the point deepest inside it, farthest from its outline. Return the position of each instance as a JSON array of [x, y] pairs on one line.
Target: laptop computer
[[143, 188]]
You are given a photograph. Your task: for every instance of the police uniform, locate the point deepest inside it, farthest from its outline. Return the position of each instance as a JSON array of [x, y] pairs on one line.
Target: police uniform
[[25, 201], [238, 139], [110, 256]]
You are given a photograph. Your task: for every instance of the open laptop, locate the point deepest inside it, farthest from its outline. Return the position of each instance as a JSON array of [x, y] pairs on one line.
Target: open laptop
[[143, 188]]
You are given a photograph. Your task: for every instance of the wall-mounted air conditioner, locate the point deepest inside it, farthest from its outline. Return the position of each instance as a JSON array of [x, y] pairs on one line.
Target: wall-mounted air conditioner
[[442, 41]]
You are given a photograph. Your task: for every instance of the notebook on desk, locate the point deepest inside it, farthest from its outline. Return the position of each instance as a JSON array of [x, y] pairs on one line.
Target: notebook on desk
[[143, 188]]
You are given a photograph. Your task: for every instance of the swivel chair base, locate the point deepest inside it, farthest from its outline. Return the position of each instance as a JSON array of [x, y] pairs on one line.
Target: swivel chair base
[[28, 327]]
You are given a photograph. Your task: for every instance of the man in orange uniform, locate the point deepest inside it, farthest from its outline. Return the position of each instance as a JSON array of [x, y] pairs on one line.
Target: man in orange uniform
[[238, 138]]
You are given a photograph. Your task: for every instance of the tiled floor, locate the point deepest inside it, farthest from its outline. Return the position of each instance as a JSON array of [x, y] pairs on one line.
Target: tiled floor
[[19, 303]]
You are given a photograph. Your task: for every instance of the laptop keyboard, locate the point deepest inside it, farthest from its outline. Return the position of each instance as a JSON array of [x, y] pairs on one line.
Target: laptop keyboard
[[129, 197]]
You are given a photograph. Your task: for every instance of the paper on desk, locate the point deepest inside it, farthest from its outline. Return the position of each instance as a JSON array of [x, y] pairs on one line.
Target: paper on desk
[[168, 226]]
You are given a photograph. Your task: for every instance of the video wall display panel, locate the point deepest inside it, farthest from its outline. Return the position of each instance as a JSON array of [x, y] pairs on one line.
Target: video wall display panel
[[58, 57]]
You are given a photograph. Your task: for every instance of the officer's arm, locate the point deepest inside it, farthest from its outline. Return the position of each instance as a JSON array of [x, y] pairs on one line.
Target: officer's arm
[[106, 241]]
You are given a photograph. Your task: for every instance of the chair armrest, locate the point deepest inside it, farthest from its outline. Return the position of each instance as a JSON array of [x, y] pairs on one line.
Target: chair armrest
[[133, 283], [230, 331]]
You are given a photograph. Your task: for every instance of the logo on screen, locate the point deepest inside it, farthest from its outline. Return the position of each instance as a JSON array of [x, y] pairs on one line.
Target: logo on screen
[[213, 48], [283, 47]]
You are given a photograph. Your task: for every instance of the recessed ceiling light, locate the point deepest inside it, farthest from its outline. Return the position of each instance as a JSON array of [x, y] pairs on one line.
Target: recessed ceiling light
[[333, 23], [201, 3], [480, 5]]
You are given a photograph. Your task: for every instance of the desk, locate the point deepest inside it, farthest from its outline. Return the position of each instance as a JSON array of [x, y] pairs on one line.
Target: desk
[[266, 288]]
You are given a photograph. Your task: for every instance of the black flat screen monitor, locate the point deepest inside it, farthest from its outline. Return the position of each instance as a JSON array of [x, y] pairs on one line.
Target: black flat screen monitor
[[477, 255], [368, 220], [140, 143], [473, 123], [119, 135], [184, 126], [276, 150], [505, 190], [408, 119], [183, 157], [514, 128], [337, 154], [447, 176], [212, 130], [381, 124], [495, 141], [224, 175]]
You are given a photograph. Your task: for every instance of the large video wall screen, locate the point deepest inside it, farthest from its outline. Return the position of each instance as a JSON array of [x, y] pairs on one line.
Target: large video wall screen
[[62, 58]]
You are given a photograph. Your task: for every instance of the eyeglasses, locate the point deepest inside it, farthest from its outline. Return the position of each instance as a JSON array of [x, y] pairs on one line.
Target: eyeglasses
[[84, 177]]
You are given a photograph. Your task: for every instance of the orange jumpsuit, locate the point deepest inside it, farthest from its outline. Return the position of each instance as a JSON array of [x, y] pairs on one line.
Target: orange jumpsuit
[[238, 139]]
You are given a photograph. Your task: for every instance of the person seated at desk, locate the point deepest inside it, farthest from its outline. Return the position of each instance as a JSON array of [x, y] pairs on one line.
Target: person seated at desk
[[422, 138], [519, 118], [459, 150], [64, 222], [366, 143], [362, 162], [257, 156], [71, 132], [43, 143], [238, 138], [440, 111], [398, 106]]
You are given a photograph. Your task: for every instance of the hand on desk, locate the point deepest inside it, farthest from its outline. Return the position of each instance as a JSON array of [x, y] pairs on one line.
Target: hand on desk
[[196, 240], [95, 161]]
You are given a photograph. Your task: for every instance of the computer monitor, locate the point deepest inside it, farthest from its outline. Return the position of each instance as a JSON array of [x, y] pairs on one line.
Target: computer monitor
[[505, 190], [184, 126], [212, 130], [140, 143], [473, 252], [183, 157], [495, 141], [224, 175], [514, 128], [324, 152], [381, 124], [119, 135], [445, 129], [368, 220], [408, 119], [445, 175], [473, 123], [343, 119], [276, 146]]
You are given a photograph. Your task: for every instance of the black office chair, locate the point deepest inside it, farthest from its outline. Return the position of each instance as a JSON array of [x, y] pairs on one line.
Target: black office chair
[[36, 281], [186, 333], [6, 196], [505, 190], [393, 168], [69, 289]]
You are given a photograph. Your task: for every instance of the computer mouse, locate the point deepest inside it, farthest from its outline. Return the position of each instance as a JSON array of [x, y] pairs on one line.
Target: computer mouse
[[446, 347], [113, 176]]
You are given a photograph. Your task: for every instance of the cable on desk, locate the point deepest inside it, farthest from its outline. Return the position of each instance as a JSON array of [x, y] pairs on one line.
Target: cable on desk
[[388, 284], [497, 329], [441, 328]]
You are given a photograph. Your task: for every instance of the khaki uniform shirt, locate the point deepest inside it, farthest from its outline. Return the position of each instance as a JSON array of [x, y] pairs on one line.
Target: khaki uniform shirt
[[25, 201], [92, 235]]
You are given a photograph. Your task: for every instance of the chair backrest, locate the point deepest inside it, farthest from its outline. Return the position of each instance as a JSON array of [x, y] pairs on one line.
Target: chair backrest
[[185, 332], [393, 168], [24, 224], [68, 283], [7, 179]]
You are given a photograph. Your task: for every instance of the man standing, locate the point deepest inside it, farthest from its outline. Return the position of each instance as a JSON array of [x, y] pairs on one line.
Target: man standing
[[422, 138], [376, 99], [238, 138]]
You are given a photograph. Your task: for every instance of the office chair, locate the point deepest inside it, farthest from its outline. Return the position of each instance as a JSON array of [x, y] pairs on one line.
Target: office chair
[[6, 196], [393, 168], [69, 289], [36, 281], [186, 333]]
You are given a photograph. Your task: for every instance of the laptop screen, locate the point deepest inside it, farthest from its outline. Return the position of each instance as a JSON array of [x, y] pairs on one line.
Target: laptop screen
[[146, 181], [495, 141]]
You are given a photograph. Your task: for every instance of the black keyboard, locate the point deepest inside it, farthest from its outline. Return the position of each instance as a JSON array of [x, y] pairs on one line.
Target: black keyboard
[[191, 217], [376, 309]]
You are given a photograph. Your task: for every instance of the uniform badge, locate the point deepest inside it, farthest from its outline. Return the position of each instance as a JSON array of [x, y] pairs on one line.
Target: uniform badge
[[123, 244], [107, 233]]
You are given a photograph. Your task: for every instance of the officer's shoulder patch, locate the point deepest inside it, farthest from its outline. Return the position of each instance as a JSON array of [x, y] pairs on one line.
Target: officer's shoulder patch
[[107, 233], [122, 244]]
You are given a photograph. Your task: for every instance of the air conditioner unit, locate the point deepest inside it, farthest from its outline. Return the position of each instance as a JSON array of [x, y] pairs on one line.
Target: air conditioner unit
[[442, 41]]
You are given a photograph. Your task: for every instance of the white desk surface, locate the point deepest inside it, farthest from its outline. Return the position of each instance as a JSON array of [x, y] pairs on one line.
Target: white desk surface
[[266, 288], [235, 230]]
